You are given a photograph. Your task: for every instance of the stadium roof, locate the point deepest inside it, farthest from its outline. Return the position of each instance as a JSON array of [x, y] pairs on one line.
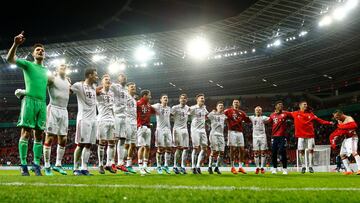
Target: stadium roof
[[326, 58]]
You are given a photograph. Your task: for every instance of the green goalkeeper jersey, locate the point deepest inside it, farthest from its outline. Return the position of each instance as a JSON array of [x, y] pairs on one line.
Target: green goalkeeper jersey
[[35, 79]]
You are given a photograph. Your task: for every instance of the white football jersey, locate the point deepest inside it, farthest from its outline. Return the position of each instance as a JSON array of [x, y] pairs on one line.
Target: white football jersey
[[131, 113], [105, 105], [86, 97], [162, 116], [59, 92], [120, 93], [198, 115], [217, 123], [181, 114], [258, 125]]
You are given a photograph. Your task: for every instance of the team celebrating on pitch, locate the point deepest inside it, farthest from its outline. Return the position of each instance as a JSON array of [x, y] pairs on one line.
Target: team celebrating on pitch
[[122, 124]]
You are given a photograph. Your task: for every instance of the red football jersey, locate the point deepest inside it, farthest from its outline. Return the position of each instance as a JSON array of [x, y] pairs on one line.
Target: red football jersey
[[278, 121], [304, 123], [235, 119], [144, 112]]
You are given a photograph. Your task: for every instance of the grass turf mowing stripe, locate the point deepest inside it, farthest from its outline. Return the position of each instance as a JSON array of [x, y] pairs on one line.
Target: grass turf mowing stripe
[[180, 187]]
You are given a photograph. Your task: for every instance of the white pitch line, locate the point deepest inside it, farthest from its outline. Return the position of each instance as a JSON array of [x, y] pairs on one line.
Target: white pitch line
[[179, 187]]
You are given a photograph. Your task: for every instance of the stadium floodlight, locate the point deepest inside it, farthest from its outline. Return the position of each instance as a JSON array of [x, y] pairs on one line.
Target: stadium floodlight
[[144, 54], [277, 43], [351, 4], [97, 58], [253, 50], [339, 13], [116, 66], [13, 66], [58, 61], [302, 33], [325, 21], [198, 48]]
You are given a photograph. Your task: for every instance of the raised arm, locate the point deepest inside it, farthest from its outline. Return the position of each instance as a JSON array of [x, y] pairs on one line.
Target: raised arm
[[321, 121], [18, 40]]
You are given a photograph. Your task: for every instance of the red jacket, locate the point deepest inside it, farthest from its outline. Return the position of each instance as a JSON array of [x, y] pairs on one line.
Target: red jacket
[[278, 121], [144, 111], [304, 123], [348, 130], [235, 119]]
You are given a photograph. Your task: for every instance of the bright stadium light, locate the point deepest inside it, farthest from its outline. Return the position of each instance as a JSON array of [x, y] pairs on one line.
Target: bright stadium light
[[302, 33], [97, 58], [144, 54], [339, 13], [253, 50], [13, 66], [116, 66], [351, 4], [277, 43], [325, 21], [198, 48]]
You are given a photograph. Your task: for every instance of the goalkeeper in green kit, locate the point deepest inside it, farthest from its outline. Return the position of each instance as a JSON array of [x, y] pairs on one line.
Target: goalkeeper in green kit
[[32, 117]]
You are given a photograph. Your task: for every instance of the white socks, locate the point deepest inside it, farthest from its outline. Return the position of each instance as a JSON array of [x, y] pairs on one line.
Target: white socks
[[176, 156], [120, 152], [101, 152], [210, 161], [193, 158], [167, 159], [77, 155], [199, 158], [47, 153], [263, 159], [158, 159], [257, 161], [183, 158], [60, 151], [311, 155], [346, 164], [85, 158], [219, 161], [110, 155]]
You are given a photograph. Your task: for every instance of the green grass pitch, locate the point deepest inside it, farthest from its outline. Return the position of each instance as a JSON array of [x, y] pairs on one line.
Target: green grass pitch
[[295, 187]]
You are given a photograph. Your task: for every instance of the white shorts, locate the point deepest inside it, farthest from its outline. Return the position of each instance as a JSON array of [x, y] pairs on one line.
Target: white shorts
[[236, 139], [163, 138], [106, 130], [120, 127], [349, 146], [131, 129], [198, 137], [143, 136], [86, 131], [181, 137], [57, 121], [259, 143], [217, 142], [306, 143]]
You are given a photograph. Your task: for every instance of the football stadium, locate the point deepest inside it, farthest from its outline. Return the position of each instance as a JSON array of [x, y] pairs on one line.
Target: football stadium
[[180, 101]]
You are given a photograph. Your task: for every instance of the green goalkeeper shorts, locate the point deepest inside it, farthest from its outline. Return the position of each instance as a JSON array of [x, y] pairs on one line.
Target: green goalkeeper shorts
[[32, 113]]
